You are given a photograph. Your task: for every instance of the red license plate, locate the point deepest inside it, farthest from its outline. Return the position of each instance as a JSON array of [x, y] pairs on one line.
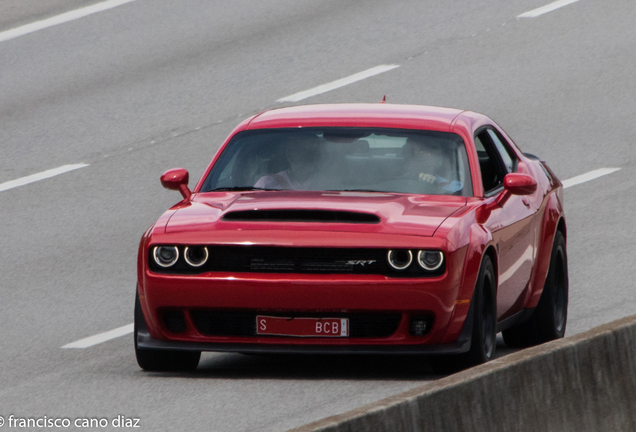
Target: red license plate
[[302, 327]]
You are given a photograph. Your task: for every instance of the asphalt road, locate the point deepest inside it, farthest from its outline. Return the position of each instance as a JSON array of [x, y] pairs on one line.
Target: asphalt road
[[151, 85]]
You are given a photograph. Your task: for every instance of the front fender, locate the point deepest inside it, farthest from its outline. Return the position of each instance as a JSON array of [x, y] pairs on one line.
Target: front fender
[[480, 240]]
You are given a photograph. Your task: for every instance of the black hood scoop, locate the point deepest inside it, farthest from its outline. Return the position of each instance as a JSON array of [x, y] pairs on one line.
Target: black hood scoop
[[327, 216]]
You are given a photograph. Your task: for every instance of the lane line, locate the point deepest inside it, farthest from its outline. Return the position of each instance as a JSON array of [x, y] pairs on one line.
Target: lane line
[[588, 176], [547, 8], [60, 19], [102, 337], [39, 176], [127, 329], [296, 97]]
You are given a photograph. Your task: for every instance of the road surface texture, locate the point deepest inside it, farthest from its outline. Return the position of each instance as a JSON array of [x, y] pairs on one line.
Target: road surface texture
[[145, 86]]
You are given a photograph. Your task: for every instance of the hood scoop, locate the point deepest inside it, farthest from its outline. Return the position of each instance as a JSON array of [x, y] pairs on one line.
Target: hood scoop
[[327, 216]]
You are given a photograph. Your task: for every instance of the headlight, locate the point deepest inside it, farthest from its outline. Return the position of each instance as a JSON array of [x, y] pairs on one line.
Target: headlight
[[400, 259], [430, 260], [166, 256], [195, 256]]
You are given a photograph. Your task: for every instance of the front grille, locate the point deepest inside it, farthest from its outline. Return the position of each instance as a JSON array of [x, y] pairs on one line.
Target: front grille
[[297, 260], [361, 325]]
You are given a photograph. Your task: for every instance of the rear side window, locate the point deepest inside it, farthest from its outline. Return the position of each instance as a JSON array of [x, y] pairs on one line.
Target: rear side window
[[495, 160], [508, 161]]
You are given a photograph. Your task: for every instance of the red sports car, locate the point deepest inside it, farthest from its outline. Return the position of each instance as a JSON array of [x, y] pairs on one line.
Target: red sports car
[[356, 228]]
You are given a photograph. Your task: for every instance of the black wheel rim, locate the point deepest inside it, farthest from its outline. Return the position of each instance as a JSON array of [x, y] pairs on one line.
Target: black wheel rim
[[560, 294]]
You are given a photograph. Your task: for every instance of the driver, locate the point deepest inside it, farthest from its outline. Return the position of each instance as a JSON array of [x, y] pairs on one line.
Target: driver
[[303, 157], [426, 162]]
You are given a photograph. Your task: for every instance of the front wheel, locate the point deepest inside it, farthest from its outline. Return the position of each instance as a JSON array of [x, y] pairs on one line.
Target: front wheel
[[484, 340], [162, 360], [484, 336]]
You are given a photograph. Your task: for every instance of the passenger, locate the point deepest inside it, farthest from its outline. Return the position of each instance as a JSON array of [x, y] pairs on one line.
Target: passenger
[[426, 162], [303, 158]]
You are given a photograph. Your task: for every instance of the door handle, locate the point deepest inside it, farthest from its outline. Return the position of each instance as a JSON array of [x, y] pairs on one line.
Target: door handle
[[526, 201]]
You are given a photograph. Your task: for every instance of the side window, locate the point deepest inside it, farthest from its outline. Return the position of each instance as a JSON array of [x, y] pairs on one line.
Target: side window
[[481, 150], [493, 167], [507, 159]]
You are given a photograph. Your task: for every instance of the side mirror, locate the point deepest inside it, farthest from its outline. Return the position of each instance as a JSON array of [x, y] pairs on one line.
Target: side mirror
[[514, 184], [177, 179], [519, 184]]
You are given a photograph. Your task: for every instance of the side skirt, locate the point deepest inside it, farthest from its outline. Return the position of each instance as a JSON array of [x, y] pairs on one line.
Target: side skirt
[[518, 318]]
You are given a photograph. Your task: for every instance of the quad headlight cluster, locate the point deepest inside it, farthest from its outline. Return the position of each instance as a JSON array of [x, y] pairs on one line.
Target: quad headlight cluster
[[167, 256], [427, 260], [197, 259]]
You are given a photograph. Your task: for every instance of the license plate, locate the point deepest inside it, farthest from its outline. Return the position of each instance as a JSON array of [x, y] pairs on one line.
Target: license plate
[[302, 327]]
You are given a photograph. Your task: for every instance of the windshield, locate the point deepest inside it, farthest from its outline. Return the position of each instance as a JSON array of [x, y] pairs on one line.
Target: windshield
[[343, 159]]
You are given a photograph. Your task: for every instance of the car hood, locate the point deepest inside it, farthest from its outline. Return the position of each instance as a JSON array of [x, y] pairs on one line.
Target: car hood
[[286, 213]]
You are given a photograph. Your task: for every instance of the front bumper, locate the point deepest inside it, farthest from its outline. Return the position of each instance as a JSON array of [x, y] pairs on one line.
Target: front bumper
[[461, 345], [302, 295]]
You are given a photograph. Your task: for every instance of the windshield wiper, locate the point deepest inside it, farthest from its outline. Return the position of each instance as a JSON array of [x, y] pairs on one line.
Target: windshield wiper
[[239, 189]]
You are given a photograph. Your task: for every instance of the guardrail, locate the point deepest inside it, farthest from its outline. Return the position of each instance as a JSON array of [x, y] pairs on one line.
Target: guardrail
[[586, 382]]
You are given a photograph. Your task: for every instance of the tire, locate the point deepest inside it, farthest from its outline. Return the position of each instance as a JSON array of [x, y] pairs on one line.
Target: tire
[[548, 322], [162, 360], [484, 336]]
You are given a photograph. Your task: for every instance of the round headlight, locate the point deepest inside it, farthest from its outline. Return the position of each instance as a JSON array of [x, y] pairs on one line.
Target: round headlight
[[195, 256], [166, 256], [430, 260], [400, 259]]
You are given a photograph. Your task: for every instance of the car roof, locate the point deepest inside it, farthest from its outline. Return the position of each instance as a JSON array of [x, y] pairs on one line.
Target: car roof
[[357, 115]]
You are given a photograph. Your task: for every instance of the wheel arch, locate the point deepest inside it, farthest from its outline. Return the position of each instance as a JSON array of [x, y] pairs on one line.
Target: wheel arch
[[553, 222], [562, 227], [481, 244], [491, 253]]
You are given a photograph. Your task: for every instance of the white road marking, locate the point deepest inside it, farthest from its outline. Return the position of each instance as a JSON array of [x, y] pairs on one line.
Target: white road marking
[[547, 8], [588, 176], [338, 83], [102, 337], [60, 19], [39, 176]]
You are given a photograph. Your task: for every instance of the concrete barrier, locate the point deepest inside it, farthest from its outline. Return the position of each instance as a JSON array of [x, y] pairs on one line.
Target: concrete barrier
[[586, 382]]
